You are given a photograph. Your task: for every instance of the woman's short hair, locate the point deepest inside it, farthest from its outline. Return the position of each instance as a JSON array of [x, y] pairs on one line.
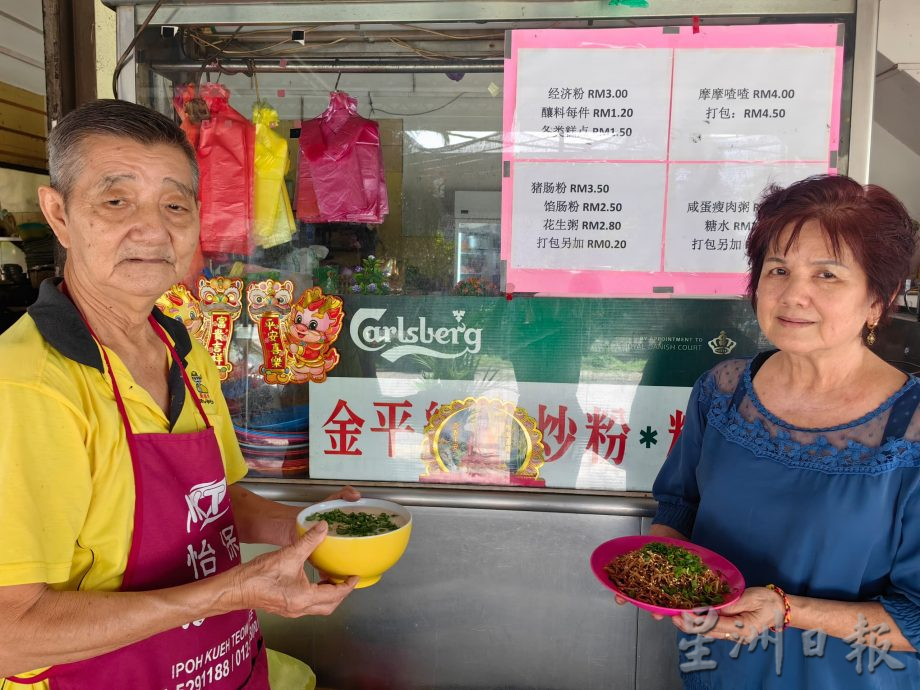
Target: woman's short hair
[[868, 220], [109, 117]]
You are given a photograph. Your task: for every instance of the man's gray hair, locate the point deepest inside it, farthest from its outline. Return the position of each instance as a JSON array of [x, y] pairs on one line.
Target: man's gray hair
[[109, 117]]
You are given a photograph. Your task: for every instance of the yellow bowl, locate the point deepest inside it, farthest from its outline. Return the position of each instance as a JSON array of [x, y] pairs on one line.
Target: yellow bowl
[[366, 557]]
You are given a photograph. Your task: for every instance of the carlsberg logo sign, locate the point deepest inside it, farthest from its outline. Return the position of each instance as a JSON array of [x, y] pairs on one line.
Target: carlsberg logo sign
[[413, 337]]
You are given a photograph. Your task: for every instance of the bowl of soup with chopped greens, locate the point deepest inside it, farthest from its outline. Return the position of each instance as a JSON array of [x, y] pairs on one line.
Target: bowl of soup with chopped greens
[[366, 537]]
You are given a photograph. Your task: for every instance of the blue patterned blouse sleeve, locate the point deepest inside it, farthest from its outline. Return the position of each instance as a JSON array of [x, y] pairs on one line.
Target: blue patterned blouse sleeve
[[902, 600], [676, 488]]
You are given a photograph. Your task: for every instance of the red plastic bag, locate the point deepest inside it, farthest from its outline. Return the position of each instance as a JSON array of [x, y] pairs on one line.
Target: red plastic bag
[[183, 95], [340, 177], [225, 157]]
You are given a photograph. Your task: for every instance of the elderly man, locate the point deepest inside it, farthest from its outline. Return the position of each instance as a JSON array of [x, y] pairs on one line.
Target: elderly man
[[119, 513]]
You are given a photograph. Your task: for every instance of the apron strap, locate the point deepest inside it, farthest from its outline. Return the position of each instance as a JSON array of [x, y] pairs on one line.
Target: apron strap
[[108, 365], [158, 329]]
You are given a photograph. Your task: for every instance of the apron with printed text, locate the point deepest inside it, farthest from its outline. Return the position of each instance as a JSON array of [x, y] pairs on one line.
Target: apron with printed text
[[183, 531]]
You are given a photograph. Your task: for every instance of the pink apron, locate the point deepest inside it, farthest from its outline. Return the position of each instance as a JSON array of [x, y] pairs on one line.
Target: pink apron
[[183, 531]]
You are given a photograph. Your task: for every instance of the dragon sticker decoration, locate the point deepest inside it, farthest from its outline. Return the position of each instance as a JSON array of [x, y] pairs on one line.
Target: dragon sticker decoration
[[209, 317], [314, 324]]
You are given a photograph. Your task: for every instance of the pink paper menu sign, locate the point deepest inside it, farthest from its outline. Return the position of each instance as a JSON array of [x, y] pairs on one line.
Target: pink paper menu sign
[[633, 158]]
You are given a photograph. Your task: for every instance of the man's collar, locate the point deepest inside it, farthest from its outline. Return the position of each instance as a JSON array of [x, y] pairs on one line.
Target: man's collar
[[59, 322]]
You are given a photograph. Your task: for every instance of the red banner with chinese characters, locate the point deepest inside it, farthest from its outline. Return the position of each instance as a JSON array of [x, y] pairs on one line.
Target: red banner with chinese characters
[[275, 359], [218, 343]]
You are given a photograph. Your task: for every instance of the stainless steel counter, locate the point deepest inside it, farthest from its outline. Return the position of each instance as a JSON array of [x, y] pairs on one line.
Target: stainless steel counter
[[494, 591], [483, 497]]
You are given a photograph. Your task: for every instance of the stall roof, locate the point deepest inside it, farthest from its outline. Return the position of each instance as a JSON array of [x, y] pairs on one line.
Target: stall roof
[[254, 12]]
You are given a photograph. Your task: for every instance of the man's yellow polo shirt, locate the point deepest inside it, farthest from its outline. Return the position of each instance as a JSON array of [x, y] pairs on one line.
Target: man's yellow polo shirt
[[66, 480]]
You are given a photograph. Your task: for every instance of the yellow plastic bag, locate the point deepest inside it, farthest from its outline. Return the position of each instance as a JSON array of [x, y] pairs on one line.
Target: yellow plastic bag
[[287, 673], [273, 219]]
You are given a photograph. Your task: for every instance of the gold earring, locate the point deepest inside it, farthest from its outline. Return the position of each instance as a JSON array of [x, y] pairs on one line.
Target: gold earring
[[870, 337]]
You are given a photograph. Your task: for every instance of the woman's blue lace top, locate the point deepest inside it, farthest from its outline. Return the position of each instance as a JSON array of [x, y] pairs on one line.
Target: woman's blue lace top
[[829, 513]]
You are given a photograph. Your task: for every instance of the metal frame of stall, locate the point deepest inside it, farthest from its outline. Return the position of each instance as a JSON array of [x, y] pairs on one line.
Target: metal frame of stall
[[495, 589]]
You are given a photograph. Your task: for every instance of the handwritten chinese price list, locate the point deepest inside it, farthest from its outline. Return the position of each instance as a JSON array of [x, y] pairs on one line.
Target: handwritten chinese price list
[[711, 211], [570, 106], [763, 117], [667, 130], [592, 213], [753, 104]]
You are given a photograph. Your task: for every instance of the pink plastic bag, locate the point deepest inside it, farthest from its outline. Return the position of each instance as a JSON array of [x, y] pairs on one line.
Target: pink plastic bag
[[340, 177], [225, 157]]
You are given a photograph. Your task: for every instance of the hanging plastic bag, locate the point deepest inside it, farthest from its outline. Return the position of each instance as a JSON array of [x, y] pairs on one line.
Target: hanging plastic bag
[[191, 111], [304, 193], [341, 166], [225, 158], [273, 220]]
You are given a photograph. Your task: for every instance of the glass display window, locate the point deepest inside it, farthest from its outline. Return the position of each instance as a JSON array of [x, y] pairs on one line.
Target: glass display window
[[358, 180]]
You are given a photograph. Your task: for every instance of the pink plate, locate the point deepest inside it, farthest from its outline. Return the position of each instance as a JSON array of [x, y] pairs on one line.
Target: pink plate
[[609, 550]]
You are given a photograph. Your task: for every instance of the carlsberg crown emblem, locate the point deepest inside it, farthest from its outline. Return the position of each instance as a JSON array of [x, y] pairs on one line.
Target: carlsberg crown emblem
[[722, 345]]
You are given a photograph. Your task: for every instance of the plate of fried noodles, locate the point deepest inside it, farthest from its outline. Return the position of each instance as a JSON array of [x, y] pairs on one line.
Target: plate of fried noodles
[[666, 576]]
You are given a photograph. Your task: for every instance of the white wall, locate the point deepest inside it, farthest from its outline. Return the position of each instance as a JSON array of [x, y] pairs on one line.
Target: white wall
[[22, 49], [899, 30], [896, 168], [894, 160]]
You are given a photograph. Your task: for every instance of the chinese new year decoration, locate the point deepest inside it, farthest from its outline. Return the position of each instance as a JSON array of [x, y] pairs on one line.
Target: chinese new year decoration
[[268, 303], [297, 338], [209, 317]]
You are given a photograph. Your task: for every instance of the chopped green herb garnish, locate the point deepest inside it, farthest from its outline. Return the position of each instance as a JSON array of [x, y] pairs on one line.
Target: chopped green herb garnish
[[680, 559], [358, 524]]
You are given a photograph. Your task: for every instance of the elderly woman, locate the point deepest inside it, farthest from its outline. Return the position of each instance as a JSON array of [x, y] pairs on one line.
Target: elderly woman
[[802, 465], [119, 513]]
